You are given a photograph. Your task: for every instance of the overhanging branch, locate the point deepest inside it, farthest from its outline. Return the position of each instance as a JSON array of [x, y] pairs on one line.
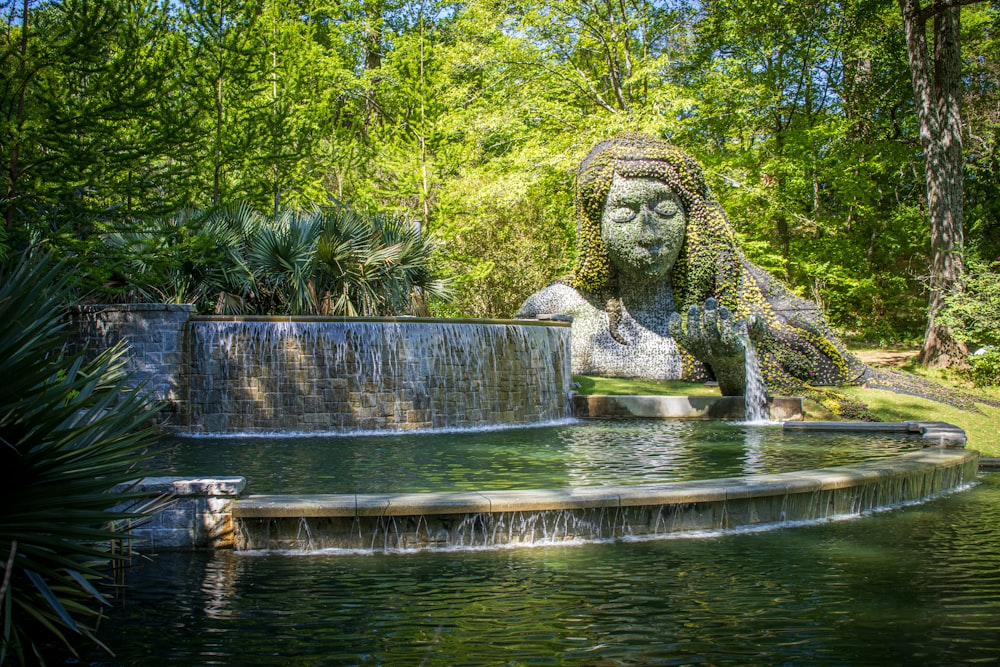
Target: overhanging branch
[[938, 7]]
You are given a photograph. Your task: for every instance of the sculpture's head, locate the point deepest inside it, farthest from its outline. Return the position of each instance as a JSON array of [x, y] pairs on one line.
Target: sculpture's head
[[642, 227], [643, 212]]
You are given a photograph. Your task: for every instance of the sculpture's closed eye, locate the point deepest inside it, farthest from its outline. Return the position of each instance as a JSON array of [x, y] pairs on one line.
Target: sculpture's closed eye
[[623, 214], [667, 208]]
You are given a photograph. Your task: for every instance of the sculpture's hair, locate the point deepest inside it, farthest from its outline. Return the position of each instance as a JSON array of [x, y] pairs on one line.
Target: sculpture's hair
[[798, 345]]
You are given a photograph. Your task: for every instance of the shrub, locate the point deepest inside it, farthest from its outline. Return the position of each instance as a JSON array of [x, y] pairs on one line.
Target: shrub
[[234, 260], [984, 369], [974, 309]]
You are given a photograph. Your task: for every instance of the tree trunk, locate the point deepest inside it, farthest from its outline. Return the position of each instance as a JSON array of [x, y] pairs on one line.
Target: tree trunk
[[13, 170], [937, 93], [371, 40]]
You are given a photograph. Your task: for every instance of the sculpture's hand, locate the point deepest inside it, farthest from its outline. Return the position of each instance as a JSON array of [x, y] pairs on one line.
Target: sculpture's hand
[[712, 336]]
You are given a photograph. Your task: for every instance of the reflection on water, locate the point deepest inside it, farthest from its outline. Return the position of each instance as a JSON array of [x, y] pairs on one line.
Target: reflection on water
[[754, 456], [581, 454], [919, 585]]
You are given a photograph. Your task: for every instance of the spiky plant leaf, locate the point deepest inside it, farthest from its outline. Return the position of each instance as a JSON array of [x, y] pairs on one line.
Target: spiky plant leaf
[[70, 433]]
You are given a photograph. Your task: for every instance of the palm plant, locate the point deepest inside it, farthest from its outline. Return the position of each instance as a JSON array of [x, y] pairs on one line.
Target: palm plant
[[373, 266], [162, 259], [282, 258], [69, 434], [232, 283], [235, 261]]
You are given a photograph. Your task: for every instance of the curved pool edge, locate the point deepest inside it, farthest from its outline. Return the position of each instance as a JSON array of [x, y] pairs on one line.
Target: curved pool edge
[[421, 521]]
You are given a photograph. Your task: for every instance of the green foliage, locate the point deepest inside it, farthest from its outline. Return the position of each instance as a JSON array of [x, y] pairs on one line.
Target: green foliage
[[984, 369], [974, 309], [973, 312], [69, 433], [471, 118], [234, 260], [504, 237]]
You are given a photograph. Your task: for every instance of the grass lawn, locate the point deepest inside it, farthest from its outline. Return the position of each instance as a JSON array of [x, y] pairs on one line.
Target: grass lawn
[[592, 384], [983, 430]]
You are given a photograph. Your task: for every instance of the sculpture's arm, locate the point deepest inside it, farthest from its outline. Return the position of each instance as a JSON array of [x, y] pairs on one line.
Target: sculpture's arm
[[712, 336], [556, 298]]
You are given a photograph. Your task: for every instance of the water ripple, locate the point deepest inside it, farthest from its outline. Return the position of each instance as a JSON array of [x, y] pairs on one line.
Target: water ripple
[[915, 586]]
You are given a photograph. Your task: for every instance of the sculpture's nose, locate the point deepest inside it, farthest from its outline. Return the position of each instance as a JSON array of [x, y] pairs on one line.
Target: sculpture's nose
[[649, 220]]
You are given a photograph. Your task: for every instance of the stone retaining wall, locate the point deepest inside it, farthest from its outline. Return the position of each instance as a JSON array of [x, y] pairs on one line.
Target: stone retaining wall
[[156, 336], [259, 375], [198, 516], [310, 374]]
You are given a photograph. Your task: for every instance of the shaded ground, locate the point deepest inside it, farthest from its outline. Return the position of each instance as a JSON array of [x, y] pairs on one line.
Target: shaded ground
[[884, 372], [888, 358]]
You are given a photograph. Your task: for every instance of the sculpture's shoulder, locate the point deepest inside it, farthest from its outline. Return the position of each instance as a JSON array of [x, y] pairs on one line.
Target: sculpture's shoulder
[[556, 298]]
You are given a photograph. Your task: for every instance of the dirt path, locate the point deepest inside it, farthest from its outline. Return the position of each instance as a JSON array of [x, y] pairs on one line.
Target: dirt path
[[890, 358]]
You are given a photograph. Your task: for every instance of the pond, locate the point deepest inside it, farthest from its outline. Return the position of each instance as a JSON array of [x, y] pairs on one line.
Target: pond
[[582, 453], [918, 585]]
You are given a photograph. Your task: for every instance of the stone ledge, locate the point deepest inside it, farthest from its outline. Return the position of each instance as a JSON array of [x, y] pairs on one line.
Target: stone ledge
[[940, 434], [551, 516], [198, 514], [400, 319], [134, 307], [188, 486], [596, 406], [532, 500]]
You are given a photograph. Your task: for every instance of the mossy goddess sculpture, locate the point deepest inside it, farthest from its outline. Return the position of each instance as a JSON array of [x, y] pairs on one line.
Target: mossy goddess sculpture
[[652, 241]]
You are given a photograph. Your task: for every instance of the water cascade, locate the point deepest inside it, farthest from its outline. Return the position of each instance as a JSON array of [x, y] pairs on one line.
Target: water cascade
[[259, 375], [755, 394], [489, 519]]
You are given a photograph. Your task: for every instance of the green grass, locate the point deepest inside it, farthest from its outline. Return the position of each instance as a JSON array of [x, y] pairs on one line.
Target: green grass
[[592, 384], [983, 430]]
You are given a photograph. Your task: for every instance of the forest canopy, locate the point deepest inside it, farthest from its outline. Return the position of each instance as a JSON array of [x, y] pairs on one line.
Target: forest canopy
[[470, 118]]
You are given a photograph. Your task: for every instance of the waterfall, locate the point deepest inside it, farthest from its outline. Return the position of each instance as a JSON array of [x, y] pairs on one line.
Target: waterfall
[[384, 523], [313, 375], [755, 394]]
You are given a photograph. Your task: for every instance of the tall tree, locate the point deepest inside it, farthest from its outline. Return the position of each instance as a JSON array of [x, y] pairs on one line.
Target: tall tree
[[937, 92], [86, 126], [227, 77]]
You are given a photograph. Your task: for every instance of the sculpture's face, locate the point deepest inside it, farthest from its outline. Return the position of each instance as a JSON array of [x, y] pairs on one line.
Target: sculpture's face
[[642, 227]]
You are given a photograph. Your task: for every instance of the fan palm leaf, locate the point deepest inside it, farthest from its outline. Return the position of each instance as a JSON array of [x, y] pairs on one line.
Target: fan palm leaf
[[282, 256], [371, 266]]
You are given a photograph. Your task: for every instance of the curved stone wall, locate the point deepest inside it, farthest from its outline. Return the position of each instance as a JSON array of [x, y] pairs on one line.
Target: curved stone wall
[[257, 375], [489, 519]]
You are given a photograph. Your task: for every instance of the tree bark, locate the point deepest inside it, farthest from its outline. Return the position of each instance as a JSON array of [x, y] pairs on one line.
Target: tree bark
[[937, 92]]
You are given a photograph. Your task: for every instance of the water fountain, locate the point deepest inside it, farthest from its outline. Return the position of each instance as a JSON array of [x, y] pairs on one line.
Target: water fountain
[[608, 605], [315, 374], [312, 375], [252, 375], [755, 394]]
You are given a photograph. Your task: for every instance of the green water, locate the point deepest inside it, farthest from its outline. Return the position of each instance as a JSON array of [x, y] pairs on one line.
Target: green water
[[914, 586], [581, 454]]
